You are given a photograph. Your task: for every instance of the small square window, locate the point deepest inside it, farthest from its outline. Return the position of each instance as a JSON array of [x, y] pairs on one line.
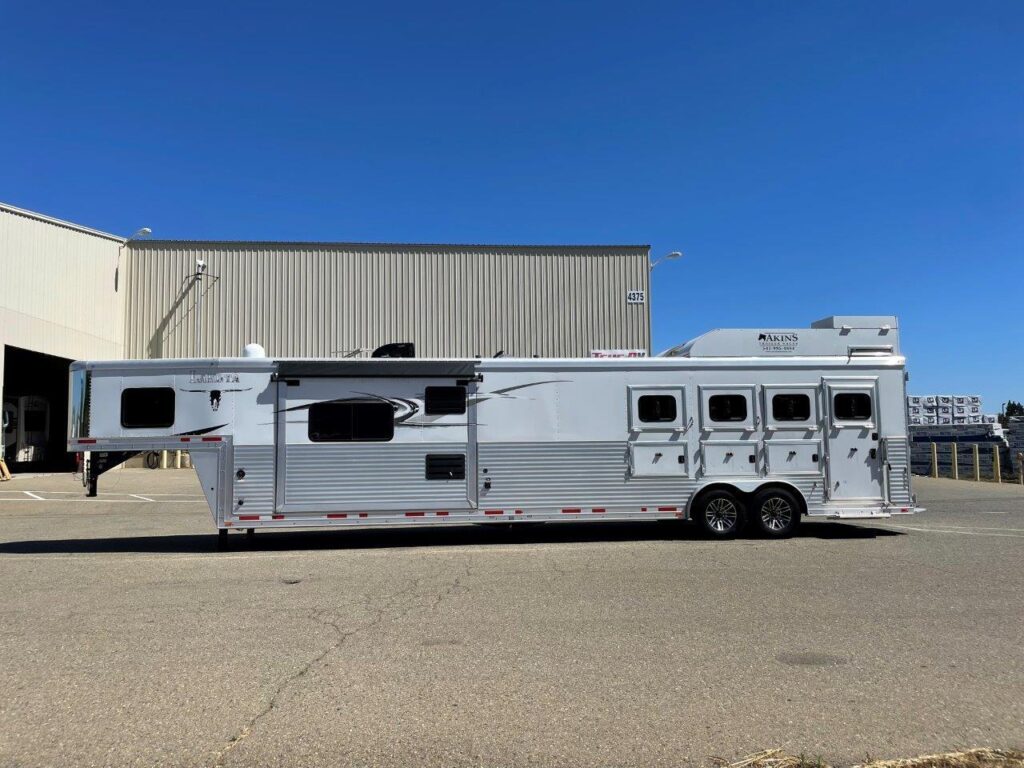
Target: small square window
[[444, 400], [147, 408], [791, 407], [852, 406], [727, 408], [656, 408]]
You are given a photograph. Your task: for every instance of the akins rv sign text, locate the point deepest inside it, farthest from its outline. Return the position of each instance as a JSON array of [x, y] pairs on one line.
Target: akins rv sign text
[[778, 341]]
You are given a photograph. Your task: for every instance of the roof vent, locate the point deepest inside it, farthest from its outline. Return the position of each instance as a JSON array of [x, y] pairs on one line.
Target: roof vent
[[254, 350]]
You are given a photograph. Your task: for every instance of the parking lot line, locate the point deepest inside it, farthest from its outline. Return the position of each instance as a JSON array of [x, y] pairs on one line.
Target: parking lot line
[[34, 496]]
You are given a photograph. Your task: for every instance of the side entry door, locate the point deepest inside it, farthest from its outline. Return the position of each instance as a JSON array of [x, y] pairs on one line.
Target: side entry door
[[854, 456], [658, 425]]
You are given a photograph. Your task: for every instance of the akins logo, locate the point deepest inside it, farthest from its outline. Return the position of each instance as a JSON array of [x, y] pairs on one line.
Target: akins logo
[[778, 341]]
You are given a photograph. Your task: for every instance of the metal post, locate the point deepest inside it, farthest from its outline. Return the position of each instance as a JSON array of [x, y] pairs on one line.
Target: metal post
[[956, 461], [165, 462], [1020, 467], [997, 471], [977, 463], [177, 459], [935, 460]]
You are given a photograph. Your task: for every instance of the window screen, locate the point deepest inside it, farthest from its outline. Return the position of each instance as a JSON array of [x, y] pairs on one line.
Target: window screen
[[654, 408], [442, 400], [147, 407], [791, 407], [727, 408], [852, 406], [352, 421]]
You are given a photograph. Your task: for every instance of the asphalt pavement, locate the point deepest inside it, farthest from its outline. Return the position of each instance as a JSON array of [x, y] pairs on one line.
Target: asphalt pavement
[[125, 639]]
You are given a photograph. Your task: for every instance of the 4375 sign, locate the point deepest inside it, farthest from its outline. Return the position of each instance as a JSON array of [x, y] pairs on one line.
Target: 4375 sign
[[636, 297]]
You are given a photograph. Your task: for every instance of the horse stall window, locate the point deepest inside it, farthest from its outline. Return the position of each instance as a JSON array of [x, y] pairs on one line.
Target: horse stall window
[[147, 408], [368, 421], [444, 400], [727, 408], [852, 406], [655, 408], [791, 407]]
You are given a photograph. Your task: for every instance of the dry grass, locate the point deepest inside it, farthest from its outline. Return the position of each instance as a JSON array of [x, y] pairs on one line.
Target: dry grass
[[971, 758]]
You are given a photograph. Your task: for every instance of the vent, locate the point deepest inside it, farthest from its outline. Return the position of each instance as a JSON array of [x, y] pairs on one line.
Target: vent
[[446, 466]]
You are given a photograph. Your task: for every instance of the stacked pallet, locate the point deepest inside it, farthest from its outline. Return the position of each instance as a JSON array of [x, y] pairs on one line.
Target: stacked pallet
[[942, 410], [1015, 438]]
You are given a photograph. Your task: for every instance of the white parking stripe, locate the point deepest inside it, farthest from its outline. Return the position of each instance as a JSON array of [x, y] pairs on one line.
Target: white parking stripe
[[34, 496], [135, 495], [961, 531]]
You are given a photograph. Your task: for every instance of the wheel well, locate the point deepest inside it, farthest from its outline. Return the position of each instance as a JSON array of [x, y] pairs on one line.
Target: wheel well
[[747, 496]]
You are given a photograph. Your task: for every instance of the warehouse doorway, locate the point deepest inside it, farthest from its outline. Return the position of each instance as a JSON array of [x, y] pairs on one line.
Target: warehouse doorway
[[35, 411]]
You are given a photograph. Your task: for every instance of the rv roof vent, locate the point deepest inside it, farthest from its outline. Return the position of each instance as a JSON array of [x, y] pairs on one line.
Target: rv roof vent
[[397, 349], [254, 350]]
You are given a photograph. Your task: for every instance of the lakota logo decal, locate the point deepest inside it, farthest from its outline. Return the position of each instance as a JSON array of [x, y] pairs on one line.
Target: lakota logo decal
[[778, 341]]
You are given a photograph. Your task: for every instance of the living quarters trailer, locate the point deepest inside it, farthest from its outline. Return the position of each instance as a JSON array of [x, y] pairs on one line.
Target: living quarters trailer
[[755, 427]]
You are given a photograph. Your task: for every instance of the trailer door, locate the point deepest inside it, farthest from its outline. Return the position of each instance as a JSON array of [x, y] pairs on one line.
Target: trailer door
[[854, 459], [374, 445]]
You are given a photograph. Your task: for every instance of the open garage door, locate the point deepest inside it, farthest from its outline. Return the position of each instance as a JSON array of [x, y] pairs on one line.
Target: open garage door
[[35, 408]]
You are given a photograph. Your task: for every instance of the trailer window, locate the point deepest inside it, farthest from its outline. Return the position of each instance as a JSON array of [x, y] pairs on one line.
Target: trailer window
[[654, 408], [444, 400], [852, 406], [791, 407], [727, 408], [147, 408], [369, 421]]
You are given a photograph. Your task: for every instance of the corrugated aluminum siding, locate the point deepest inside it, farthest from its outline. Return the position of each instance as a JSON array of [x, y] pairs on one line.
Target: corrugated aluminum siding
[[57, 292], [326, 299]]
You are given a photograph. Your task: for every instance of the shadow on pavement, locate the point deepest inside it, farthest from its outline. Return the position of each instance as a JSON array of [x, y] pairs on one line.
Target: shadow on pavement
[[398, 538]]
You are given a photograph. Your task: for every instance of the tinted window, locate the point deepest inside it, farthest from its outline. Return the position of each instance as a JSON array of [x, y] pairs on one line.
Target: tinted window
[[653, 408], [441, 400], [727, 408], [147, 407], [342, 422], [791, 407], [852, 406]]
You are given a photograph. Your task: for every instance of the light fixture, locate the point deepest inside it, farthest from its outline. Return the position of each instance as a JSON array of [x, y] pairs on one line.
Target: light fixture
[[666, 257]]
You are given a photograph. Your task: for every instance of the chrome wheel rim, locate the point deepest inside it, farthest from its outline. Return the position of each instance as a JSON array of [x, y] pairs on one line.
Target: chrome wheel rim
[[776, 513], [721, 515]]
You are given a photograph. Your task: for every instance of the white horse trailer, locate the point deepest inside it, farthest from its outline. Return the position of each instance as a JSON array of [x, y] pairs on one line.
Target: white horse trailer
[[755, 427]]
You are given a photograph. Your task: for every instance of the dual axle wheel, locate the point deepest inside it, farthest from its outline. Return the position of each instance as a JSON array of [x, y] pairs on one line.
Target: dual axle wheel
[[773, 513]]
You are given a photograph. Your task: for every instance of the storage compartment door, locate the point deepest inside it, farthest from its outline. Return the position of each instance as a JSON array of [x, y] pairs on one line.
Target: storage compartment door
[[658, 460], [730, 458], [789, 457]]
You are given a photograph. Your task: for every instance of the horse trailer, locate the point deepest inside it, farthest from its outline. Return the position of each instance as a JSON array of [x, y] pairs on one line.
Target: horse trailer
[[736, 427]]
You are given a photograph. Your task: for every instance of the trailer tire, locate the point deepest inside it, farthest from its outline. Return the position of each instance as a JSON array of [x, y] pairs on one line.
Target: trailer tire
[[775, 513], [153, 460], [720, 513]]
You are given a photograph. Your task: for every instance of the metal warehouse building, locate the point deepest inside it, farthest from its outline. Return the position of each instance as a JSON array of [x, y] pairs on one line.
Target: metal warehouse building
[[68, 292]]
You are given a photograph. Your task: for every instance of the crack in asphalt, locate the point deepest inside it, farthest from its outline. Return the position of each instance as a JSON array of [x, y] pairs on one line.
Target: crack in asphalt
[[323, 616]]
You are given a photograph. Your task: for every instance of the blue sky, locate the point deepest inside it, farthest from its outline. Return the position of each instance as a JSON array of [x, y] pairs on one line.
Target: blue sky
[[810, 158]]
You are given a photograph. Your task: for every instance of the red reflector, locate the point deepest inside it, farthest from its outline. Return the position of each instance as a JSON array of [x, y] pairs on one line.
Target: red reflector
[[519, 511], [441, 514], [277, 517], [248, 517], [212, 439], [414, 514], [494, 512], [185, 439], [364, 514], [597, 510], [88, 440], [572, 511], [666, 509], [335, 515]]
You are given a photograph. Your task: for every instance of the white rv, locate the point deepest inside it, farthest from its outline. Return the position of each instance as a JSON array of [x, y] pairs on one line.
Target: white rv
[[736, 428]]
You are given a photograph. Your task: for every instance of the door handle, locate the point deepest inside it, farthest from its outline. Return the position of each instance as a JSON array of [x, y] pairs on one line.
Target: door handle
[[752, 459], [874, 453]]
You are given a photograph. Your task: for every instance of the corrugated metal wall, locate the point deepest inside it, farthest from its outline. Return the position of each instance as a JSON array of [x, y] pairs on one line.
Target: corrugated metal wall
[[57, 292], [326, 299]]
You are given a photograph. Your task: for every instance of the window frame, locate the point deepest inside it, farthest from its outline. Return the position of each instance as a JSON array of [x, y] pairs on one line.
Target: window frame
[[811, 424], [158, 425], [867, 387], [375, 403], [870, 419], [749, 424], [633, 395]]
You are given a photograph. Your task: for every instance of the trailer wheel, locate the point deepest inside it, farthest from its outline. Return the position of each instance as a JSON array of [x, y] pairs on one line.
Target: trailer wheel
[[776, 513], [153, 460], [720, 513]]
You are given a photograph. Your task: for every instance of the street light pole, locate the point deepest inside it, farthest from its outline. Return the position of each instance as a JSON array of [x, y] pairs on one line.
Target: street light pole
[[666, 257]]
